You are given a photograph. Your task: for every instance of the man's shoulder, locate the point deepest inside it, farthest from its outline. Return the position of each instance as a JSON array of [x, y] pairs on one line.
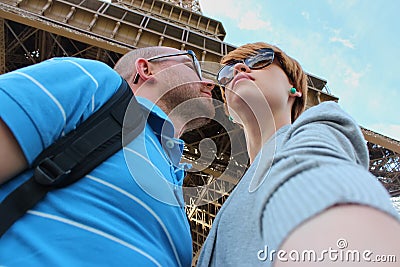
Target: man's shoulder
[[58, 72]]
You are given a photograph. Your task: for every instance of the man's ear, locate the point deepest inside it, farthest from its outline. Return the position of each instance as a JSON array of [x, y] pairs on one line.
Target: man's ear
[[143, 69]]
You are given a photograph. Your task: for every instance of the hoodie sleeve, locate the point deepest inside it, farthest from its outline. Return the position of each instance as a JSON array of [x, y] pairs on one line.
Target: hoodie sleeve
[[322, 161], [325, 132]]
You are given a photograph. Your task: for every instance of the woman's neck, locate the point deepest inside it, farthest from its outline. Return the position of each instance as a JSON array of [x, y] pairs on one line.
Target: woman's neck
[[257, 134]]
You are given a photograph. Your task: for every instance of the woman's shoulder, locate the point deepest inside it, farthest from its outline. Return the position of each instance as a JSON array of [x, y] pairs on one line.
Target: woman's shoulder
[[328, 111]]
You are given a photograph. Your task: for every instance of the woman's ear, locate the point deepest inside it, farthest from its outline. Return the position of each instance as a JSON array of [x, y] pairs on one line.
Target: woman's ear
[[298, 93], [295, 92]]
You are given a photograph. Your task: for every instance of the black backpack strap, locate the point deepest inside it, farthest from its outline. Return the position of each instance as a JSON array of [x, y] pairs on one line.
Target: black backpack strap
[[76, 154]]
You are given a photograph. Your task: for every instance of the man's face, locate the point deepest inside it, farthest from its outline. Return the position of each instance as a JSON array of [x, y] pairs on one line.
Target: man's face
[[184, 94]]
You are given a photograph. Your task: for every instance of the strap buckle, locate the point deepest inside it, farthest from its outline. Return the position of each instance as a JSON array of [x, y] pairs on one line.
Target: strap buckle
[[48, 172]]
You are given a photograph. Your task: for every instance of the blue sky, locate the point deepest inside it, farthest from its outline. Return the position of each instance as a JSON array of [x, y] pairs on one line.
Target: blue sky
[[353, 44]]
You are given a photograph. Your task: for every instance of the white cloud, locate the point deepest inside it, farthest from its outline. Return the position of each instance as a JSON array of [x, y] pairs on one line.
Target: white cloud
[[336, 39], [226, 8], [345, 42], [335, 31], [251, 20], [340, 5], [306, 15], [247, 16], [352, 78]]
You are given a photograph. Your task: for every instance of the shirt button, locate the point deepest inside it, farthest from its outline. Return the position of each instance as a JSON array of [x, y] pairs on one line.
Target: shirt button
[[170, 144]]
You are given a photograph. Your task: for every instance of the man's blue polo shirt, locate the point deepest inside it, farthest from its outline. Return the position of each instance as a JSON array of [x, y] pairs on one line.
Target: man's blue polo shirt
[[126, 212]]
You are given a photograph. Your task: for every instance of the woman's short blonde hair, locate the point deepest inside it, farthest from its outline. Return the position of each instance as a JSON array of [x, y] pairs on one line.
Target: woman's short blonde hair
[[290, 66]]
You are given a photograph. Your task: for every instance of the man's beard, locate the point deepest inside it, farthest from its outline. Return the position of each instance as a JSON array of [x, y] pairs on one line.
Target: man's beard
[[189, 105]]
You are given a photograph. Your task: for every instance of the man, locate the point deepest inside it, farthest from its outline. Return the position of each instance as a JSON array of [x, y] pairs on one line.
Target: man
[[129, 210]]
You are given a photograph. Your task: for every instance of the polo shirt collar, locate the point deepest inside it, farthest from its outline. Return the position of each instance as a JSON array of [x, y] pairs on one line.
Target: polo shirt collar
[[163, 128]]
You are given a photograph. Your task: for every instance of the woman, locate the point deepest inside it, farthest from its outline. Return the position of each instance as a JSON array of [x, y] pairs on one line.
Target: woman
[[308, 187]]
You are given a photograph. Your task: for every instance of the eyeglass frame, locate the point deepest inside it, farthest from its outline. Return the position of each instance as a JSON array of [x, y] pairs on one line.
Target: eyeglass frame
[[245, 61], [195, 62]]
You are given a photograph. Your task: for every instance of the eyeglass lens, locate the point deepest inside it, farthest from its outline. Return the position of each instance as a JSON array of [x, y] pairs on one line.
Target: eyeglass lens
[[264, 58]]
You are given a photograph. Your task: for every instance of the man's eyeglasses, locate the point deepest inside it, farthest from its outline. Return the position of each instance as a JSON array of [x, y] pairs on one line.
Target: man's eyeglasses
[[195, 61], [263, 58]]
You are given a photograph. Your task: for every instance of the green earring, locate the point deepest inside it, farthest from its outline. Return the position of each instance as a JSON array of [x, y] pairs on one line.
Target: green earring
[[230, 118], [293, 90]]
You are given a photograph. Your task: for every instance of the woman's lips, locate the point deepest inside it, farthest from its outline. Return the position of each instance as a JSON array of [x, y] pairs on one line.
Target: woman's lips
[[240, 77]]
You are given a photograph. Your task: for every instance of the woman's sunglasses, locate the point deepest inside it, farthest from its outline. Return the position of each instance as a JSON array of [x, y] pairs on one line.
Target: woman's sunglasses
[[263, 58]]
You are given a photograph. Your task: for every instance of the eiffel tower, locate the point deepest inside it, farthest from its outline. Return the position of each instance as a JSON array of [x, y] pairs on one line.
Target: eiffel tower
[[35, 30]]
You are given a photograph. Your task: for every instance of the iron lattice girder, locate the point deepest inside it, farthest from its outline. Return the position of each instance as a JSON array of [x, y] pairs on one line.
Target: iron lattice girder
[[385, 165], [27, 45], [116, 28]]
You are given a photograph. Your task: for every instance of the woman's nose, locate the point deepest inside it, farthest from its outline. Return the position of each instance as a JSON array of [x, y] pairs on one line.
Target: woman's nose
[[240, 67]]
